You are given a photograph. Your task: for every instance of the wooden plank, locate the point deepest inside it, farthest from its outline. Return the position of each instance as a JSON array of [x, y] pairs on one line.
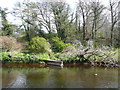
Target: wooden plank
[[54, 62]]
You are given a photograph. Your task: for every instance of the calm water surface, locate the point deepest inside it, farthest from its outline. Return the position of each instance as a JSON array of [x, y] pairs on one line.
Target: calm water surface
[[55, 77]]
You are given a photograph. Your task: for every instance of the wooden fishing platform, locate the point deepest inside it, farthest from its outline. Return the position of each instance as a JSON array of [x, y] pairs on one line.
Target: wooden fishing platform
[[54, 62]]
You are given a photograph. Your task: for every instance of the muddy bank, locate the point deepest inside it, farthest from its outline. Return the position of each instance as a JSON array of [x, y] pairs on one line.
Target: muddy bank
[[113, 64]]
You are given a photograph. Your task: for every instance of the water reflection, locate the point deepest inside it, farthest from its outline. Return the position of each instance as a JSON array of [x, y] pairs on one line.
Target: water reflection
[[0, 77], [19, 82], [54, 77], [38, 77]]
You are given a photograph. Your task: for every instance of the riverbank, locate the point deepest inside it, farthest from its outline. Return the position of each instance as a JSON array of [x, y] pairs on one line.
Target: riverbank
[[104, 57], [69, 62]]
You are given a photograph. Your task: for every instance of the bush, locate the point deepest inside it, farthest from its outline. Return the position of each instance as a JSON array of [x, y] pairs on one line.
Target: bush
[[68, 52], [59, 45], [9, 43], [43, 56], [4, 56], [39, 45]]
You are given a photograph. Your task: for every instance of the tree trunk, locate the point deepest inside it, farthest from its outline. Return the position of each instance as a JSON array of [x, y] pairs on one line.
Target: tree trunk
[[112, 35]]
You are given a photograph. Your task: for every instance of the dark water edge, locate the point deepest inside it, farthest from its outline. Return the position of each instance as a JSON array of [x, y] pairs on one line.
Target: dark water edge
[[69, 76], [108, 64], [60, 88], [45, 65]]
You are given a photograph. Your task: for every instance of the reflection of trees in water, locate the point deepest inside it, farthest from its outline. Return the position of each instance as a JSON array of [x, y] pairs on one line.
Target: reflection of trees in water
[[69, 77], [103, 79], [8, 76], [88, 78], [14, 78], [20, 81], [66, 77], [85, 77], [37, 78], [59, 78], [119, 78]]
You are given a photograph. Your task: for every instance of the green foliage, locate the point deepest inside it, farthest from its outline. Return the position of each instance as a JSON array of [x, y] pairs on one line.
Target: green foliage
[[70, 33], [43, 56], [19, 57], [52, 56], [59, 45], [63, 58], [39, 45], [7, 29], [61, 13], [96, 44], [4, 56]]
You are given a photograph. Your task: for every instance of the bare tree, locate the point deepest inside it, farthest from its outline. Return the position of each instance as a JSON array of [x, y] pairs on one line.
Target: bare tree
[[84, 10], [97, 10], [28, 14], [45, 15], [118, 23], [21, 11], [77, 23], [114, 17]]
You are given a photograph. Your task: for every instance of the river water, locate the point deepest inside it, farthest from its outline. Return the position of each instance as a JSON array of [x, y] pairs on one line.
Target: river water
[[55, 77]]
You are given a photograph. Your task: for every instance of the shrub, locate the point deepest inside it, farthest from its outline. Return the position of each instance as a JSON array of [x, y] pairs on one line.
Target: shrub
[[59, 45], [68, 52], [39, 45], [9, 43], [43, 56], [4, 56]]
